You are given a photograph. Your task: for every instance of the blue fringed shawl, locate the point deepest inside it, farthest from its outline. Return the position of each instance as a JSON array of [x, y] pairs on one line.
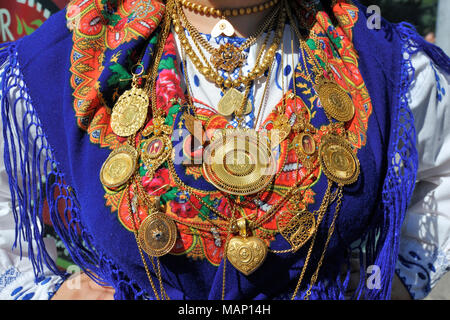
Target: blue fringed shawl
[[60, 155]]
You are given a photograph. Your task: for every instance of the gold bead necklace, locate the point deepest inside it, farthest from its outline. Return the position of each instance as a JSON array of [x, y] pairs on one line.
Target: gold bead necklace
[[231, 12], [213, 75]]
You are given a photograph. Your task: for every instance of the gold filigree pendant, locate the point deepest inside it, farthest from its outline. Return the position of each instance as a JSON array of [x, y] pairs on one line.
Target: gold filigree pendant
[[155, 151], [296, 227], [281, 128], [239, 162], [306, 149], [227, 58]]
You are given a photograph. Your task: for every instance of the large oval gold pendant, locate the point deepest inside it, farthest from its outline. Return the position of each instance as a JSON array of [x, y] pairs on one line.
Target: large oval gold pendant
[[129, 112], [119, 167], [246, 254], [338, 160], [239, 162], [157, 235], [336, 101]]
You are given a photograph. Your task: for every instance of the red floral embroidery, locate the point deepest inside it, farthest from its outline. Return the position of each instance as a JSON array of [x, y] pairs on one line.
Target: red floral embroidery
[[155, 185], [167, 87], [183, 209]]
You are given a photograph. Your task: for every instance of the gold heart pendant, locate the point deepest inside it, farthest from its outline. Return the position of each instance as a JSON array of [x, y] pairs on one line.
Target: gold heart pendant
[[246, 254]]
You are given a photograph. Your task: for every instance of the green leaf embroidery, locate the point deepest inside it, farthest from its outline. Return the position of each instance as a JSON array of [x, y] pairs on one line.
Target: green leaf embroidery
[[174, 110], [169, 195], [119, 73], [168, 63]]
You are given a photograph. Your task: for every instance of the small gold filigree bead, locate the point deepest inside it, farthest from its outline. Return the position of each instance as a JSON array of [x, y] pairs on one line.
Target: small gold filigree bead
[[228, 83], [219, 80]]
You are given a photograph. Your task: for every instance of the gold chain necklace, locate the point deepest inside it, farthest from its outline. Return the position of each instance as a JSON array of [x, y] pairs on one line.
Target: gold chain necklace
[[212, 75], [233, 12], [337, 160], [227, 57]]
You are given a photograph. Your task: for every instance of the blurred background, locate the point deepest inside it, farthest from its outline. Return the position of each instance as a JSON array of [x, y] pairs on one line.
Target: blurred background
[[421, 13], [430, 17]]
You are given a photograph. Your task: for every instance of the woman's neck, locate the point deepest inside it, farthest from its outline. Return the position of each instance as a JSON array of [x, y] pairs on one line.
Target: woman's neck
[[227, 4], [244, 26]]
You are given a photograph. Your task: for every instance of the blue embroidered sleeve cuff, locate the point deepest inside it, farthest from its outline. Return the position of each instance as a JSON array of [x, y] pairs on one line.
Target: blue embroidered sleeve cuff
[[425, 241]]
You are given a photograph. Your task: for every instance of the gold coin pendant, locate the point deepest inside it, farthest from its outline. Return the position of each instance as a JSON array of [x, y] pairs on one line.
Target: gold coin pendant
[[338, 160], [118, 167]]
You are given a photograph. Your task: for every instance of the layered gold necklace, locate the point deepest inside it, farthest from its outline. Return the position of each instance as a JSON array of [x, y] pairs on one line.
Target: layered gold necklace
[[239, 161]]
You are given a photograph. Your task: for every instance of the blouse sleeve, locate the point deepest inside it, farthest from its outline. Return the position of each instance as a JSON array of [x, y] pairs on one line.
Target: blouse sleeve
[[425, 239], [17, 278]]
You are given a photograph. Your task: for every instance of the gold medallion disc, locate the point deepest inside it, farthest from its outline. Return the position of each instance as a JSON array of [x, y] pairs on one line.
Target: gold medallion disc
[[118, 167], [157, 235], [336, 101], [129, 112], [338, 160], [239, 162]]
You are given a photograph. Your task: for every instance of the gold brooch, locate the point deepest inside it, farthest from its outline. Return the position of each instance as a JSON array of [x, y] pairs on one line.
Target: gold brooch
[[227, 57]]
